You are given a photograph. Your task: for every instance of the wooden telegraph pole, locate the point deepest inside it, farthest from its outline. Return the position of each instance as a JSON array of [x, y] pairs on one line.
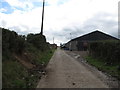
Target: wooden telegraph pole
[[42, 18]]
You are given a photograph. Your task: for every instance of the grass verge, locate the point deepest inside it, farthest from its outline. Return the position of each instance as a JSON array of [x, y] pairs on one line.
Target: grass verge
[[15, 75], [101, 65], [46, 56]]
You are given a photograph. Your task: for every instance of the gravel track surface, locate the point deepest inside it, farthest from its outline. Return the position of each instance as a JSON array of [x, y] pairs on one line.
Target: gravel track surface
[[63, 71]]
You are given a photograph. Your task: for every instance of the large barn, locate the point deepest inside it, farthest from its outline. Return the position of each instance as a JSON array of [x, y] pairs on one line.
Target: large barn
[[81, 43]]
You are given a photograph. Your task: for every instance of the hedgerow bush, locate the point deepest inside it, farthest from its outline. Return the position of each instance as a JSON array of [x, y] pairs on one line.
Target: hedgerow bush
[[39, 41], [33, 49], [12, 42], [109, 51]]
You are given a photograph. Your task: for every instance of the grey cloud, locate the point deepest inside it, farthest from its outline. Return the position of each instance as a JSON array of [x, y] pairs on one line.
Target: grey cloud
[[98, 21], [3, 23], [67, 33], [24, 30], [18, 30], [90, 27], [115, 33], [25, 27]]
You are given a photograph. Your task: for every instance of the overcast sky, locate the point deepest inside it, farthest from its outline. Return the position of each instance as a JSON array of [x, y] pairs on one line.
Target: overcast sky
[[64, 19]]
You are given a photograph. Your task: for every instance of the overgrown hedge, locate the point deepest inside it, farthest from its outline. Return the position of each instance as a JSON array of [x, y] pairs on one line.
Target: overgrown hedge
[[109, 51], [32, 48], [39, 41], [12, 42]]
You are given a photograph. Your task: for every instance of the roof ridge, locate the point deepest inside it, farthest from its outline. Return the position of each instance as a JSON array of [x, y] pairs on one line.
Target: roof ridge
[[95, 32]]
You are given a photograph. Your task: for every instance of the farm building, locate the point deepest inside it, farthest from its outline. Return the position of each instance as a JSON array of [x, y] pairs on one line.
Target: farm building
[[81, 43]]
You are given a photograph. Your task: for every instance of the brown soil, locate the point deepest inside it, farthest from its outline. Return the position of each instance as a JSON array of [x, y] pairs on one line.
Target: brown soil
[[23, 59]]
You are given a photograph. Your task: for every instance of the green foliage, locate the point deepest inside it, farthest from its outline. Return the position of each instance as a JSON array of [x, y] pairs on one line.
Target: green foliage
[[105, 55], [108, 50], [37, 56], [15, 75], [101, 65], [12, 42], [38, 41], [46, 56]]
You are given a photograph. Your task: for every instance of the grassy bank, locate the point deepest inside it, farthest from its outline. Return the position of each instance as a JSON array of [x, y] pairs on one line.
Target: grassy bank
[[37, 56], [102, 65], [23, 59], [15, 75], [47, 56]]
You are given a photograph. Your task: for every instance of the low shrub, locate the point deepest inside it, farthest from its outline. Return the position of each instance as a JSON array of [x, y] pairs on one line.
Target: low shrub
[[108, 50]]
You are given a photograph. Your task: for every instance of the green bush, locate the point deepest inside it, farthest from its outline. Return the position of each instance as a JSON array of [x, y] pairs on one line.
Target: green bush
[[33, 49], [108, 50], [38, 40], [12, 42], [110, 69], [13, 74]]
